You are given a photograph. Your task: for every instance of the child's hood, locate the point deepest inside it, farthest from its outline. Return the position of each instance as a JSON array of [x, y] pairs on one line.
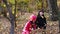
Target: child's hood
[[33, 17]]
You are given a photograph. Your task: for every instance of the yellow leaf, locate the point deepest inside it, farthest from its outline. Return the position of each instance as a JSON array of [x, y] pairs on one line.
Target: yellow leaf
[[51, 24], [4, 5]]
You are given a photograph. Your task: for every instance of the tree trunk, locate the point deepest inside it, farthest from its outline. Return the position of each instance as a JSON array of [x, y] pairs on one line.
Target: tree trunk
[[15, 13], [52, 5], [59, 19], [42, 6], [11, 17]]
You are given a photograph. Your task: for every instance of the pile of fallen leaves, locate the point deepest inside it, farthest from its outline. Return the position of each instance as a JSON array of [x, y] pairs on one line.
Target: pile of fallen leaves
[[4, 26], [52, 26]]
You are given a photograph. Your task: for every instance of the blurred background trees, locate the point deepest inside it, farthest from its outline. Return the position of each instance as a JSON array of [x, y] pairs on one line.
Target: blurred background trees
[[15, 10]]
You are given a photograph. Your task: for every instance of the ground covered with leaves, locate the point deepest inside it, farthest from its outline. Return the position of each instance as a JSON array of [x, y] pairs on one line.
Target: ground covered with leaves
[[52, 26]]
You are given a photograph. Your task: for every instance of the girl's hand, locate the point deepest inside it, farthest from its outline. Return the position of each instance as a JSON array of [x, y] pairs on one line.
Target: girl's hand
[[33, 31]]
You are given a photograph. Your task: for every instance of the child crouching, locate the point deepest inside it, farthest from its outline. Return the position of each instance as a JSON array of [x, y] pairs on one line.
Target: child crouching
[[30, 25]]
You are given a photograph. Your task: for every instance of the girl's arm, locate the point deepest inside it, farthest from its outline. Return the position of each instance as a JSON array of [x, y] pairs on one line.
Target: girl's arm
[[29, 27]]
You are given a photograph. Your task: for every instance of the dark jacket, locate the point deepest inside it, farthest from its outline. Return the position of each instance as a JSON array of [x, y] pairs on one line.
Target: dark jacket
[[40, 22]]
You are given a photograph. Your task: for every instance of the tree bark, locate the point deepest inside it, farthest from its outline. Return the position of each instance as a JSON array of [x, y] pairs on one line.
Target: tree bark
[[11, 17], [42, 6], [59, 19], [52, 5], [15, 13]]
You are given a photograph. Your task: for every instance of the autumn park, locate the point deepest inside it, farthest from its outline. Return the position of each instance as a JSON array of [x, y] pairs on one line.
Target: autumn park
[[14, 14]]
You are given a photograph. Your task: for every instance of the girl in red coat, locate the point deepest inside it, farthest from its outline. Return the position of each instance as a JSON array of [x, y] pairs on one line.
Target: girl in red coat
[[30, 25]]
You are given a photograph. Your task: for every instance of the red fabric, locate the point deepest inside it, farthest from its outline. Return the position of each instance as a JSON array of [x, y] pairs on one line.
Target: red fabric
[[27, 28], [33, 17], [25, 32]]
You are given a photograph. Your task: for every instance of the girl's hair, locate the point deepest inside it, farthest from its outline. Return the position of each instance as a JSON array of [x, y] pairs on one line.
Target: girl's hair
[[39, 13]]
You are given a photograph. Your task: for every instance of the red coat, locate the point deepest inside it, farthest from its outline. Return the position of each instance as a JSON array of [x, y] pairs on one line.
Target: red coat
[[28, 26]]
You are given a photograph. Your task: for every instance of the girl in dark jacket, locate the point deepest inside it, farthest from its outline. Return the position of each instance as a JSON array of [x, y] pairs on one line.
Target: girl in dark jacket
[[41, 20]]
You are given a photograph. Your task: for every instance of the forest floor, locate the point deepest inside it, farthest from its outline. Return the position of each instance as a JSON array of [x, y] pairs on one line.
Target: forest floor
[[52, 28]]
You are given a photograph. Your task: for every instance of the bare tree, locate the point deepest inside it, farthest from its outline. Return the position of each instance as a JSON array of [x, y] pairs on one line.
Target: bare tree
[[54, 10], [12, 20], [52, 5], [59, 18]]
